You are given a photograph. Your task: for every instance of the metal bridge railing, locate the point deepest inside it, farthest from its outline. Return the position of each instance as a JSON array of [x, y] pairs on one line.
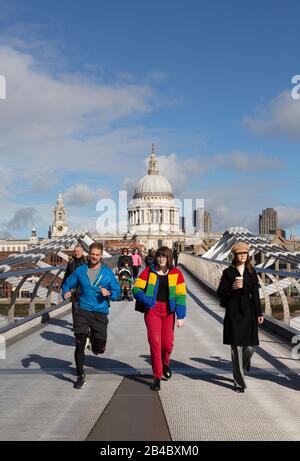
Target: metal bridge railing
[[272, 282], [48, 295]]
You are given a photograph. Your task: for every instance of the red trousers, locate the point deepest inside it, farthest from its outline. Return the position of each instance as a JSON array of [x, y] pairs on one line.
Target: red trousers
[[160, 328]]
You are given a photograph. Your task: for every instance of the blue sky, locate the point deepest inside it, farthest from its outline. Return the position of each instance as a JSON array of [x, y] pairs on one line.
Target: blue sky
[[90, 85]]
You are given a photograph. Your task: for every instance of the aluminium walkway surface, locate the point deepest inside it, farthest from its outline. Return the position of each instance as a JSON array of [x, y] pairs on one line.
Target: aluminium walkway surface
[[38, 401]]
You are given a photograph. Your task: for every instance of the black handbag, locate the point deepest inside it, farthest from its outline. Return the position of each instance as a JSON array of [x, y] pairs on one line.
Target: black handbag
[[139, 305]]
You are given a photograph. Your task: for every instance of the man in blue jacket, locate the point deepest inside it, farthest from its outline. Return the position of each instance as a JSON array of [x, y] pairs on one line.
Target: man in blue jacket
[[98, 285]]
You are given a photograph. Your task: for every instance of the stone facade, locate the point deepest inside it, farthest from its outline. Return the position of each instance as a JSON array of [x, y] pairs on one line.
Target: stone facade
[[153, 217]]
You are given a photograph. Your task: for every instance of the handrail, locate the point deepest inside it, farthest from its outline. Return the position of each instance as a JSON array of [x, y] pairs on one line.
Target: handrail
[[272, 282], [257, 269], [32, 271], [35, 289], [40, 270]]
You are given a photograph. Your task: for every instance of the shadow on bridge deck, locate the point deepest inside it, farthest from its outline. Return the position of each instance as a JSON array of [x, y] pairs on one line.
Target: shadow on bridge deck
[[38, 401]]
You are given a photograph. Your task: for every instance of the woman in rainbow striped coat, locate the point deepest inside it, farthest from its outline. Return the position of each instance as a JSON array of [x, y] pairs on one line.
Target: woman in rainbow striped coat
[[161, 290]]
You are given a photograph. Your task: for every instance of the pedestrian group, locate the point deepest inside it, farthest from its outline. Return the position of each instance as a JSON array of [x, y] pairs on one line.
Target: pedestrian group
[[160, 293]]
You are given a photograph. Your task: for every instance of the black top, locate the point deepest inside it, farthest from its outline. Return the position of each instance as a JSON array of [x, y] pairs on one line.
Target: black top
[[72, 266], [149, 260], [124, 258], [163, 289]]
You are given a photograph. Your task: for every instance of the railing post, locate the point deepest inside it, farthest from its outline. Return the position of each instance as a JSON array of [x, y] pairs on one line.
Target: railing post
[[34, 294], [263, 260], [209, 271], [49, 292], [289, 290], [268, 307], [14, 297]]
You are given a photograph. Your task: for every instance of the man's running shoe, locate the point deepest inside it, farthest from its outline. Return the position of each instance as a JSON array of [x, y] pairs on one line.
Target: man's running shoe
[[80, 383], [97, 351]]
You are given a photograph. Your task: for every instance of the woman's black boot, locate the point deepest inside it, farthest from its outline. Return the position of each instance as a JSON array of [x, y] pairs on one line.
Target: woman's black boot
[[239, 389], [156, 385], [167, 372]]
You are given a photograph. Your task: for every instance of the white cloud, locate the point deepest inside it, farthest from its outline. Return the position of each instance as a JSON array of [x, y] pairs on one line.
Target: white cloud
[[241, 161], [3, 192], [4, 233], [81, 195], [288, 216], [129, 185], [44, 118], [280, 117], [177, 170], [69, 124], [239, 204], [40, 180], [22, 217], [7, 178], [53, 126]]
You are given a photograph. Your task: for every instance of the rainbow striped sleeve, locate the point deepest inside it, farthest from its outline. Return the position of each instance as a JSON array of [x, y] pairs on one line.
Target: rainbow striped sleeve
[[180, 297], [141, 283]]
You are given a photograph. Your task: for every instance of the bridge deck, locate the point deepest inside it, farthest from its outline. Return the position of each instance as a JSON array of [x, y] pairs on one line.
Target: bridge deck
[[38, 401]]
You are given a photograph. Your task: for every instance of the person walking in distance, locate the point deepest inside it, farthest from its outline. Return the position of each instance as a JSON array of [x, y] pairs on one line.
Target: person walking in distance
[[239, 294], [150, 258], [125, 256], [125, 280], [161, 289], [76, 260], [98, 286], [175, 255], [137, 263]]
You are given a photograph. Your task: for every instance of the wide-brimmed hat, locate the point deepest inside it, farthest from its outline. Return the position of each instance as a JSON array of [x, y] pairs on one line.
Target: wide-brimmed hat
[[240, 247]]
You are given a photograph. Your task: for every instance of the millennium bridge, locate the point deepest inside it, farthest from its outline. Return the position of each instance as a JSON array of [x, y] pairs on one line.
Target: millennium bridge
[[37, 397]]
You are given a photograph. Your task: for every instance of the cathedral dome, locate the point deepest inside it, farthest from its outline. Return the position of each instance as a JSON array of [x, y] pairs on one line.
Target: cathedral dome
[[153, 184]]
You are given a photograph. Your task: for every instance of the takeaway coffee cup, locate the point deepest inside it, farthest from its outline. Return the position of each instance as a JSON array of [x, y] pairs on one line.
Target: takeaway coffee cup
[[240, 280]]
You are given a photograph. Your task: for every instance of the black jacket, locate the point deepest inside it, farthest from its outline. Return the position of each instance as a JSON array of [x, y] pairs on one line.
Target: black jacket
[[72, 265], [242, 308], [149, 260], [122, 259]]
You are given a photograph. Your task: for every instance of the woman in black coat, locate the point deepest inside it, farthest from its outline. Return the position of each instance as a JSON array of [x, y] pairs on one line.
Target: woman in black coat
[[239, 294], [125, 257]]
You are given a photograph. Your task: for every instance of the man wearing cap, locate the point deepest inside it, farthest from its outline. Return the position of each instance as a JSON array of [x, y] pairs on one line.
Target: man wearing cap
[[239, 294]]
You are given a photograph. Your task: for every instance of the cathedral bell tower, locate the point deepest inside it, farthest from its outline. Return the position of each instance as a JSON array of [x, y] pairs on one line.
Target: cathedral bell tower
[[60, 225]]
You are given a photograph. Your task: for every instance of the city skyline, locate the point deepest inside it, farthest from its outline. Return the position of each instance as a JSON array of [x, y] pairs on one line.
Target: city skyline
[[87, 91], [191, 217]]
